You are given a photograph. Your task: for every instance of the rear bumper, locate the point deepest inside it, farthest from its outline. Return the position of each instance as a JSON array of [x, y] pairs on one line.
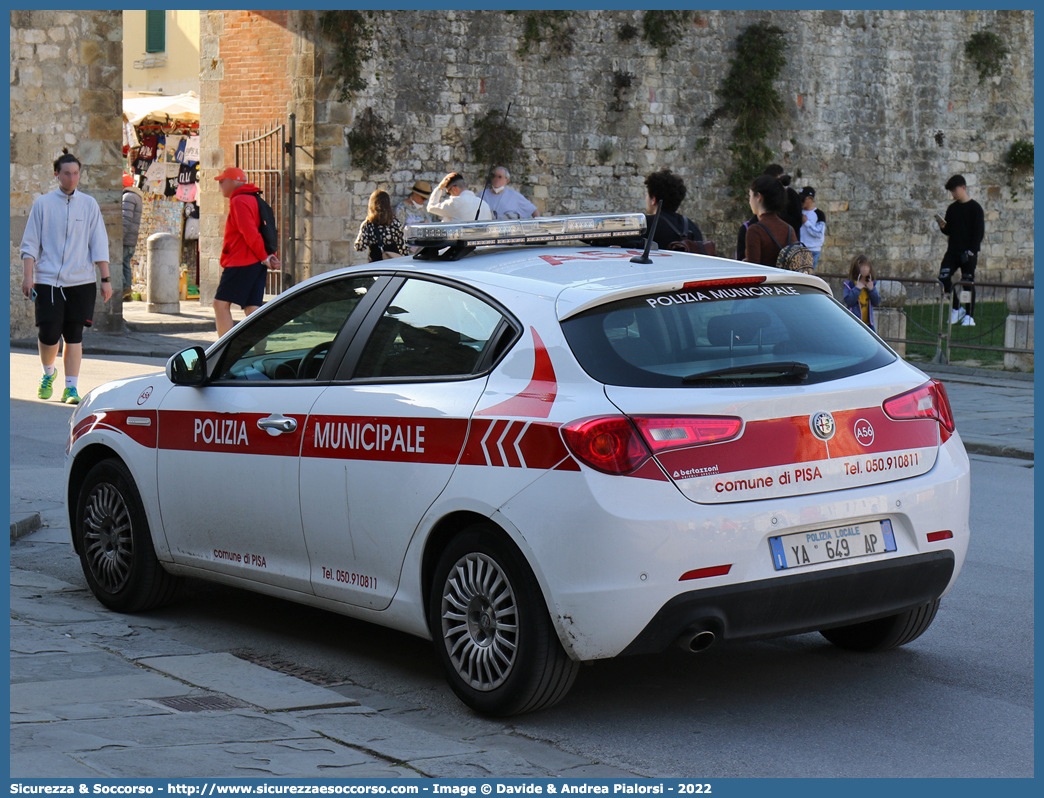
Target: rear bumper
[[800, 603]]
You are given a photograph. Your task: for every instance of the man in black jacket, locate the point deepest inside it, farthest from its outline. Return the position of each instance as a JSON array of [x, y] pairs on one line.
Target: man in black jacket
[[964, 226]]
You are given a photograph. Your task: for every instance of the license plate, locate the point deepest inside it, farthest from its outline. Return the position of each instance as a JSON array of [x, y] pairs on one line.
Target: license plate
[[831, 545]]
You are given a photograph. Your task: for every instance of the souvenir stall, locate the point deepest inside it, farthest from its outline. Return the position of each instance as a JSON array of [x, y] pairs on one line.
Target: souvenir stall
[[162, 153]]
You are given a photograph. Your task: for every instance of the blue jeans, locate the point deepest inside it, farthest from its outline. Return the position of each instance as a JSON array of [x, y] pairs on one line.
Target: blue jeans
[[128, 278], [815, 258]]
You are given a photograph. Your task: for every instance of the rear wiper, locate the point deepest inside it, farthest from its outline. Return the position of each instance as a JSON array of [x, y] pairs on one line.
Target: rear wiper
[[783, 367]]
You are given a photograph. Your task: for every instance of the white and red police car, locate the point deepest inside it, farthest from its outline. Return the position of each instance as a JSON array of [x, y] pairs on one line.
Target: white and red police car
[[537, 456]]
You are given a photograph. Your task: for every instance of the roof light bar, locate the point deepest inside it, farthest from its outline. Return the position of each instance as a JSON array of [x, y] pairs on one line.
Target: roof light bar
[[540, 230]]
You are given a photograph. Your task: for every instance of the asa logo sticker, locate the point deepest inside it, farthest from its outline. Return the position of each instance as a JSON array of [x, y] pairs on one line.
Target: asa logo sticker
[[864, 432]]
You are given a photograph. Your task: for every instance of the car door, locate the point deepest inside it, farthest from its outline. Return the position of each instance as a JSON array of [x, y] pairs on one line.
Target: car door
[[381, 445], [229, 451]]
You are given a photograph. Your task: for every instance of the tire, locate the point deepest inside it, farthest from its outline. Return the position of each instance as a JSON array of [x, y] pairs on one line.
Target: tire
[[884, 633], [498, 663], [115, 545]]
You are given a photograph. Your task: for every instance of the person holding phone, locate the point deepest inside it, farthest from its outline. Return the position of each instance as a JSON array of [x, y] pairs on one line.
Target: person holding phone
[[860, 290], [964, 227]]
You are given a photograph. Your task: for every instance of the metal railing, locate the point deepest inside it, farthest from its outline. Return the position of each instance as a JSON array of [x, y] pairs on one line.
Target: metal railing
[[268, 158], [930, 330]]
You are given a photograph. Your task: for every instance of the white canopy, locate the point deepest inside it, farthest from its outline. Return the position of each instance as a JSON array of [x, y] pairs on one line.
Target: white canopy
[[182, 107]]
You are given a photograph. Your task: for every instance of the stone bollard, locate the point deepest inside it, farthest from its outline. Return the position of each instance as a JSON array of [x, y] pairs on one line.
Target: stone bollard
[[162, 273], [1018, 329], [889, 317]]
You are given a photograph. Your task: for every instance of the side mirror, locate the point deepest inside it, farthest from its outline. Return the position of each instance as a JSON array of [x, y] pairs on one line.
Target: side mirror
[[188, 367]]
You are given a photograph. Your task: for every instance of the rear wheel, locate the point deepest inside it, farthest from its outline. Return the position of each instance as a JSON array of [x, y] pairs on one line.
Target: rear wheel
[[884, 633], [493, 636], [115, 545]]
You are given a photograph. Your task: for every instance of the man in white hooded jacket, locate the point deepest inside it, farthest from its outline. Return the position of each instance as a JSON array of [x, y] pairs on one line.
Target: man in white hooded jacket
[[64, 240], [460, 204]]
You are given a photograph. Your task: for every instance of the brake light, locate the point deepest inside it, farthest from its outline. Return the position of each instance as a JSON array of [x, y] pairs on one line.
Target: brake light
[[928, 401], [729, 282], [619, 445], [670, 432], [609, 444]]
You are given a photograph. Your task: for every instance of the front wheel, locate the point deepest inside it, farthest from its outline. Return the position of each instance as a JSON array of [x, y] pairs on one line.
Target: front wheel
[[115, 545], [884, 633], [493, 636]]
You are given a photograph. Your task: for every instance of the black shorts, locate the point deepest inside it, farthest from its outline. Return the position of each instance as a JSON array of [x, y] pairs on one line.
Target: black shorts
[[61, 307], [243, 285]]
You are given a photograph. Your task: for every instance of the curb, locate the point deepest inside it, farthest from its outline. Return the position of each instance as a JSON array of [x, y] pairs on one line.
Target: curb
[[25, 525], [965, 371], [122, 348], [998, 450]]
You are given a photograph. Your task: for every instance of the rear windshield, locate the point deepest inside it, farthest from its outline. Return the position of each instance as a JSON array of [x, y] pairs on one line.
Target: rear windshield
[[710, 337]]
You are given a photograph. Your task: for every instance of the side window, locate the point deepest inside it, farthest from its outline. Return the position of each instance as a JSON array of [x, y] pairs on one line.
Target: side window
[[290, 342], [429, 330]]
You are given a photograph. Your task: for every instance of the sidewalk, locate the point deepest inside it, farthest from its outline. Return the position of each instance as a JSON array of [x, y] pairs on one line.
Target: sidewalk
[[95, 694]]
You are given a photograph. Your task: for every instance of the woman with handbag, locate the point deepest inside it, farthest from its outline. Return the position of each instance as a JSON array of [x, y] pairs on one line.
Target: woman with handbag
[[381, 233], [767, 199]]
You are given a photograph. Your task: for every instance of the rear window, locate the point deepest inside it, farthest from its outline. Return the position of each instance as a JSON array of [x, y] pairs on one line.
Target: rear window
[[714, 336]]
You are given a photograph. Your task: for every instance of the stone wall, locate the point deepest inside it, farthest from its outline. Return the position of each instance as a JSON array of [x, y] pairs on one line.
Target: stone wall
[[881, 107], [66, 73]]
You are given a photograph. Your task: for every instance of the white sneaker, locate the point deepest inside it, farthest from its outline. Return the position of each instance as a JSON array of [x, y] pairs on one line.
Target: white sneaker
[[956, 315], [968, 321]]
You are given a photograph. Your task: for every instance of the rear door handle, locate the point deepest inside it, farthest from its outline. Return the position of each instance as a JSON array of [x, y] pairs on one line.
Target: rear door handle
[[277, 424]]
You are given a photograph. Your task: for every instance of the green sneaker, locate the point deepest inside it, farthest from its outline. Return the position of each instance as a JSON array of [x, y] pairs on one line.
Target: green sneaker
[[70, 397], [47, 385]]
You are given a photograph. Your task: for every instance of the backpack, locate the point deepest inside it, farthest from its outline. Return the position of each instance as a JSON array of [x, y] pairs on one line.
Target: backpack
[[794, 257], [267, 227], [687, 244]]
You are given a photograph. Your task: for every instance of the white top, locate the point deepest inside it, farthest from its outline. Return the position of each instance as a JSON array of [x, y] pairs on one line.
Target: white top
[[813, 231], [509, 204], [66, 236], [460, 208]]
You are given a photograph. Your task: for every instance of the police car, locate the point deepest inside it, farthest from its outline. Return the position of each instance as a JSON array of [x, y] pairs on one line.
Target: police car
[[536, 456]]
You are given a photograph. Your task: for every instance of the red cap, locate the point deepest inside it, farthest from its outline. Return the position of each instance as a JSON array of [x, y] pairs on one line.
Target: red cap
[[233, 172], [127, 180]]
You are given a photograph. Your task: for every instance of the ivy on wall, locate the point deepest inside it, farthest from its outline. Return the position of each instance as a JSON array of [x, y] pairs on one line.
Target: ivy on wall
[[1018, 158], [549, 26], [664, 29], [352, 33], [748, 95], [369, 141], [496, 142], [986, 51]]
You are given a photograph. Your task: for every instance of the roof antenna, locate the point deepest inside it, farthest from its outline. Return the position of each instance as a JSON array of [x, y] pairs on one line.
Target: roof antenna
[[644, 257], [492, 166]]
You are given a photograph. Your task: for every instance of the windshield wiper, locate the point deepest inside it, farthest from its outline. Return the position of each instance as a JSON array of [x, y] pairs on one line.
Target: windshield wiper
[[784, 368]]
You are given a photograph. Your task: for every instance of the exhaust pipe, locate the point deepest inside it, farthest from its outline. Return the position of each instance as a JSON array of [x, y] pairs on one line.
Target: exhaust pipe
[[696, 641]]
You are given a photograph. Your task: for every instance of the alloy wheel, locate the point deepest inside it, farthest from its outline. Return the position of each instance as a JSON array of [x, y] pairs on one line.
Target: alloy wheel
[[107, 538], [480, 621]]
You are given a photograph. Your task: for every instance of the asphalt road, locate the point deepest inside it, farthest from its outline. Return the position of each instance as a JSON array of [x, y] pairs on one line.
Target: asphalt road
[[958, 702]]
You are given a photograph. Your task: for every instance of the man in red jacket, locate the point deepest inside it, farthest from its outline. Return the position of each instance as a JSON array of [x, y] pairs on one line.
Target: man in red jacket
[[244, 262]]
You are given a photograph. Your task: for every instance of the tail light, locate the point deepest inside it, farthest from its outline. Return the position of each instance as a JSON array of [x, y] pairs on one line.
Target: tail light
[[619, 445], [928, 401], [609, 444], [668, 432]]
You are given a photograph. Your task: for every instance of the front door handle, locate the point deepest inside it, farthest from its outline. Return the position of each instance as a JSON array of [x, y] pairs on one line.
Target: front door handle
[[277, 424]]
